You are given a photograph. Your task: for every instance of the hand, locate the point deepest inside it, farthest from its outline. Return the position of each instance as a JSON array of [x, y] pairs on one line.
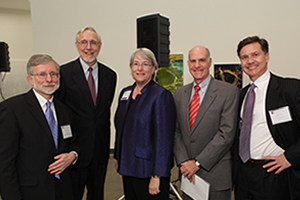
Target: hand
[[278, 162], [188, 169], [62, 162], [154, 185], [117, 166]]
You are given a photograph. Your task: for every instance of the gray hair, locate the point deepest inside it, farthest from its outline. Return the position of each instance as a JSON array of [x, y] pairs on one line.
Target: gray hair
[[146, 54], [88, 28], [39, 59]]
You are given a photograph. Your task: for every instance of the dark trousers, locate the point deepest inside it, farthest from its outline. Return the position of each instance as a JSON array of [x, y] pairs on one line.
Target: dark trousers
[[93, 177], [138, 188], [255, 183], [213, 195]]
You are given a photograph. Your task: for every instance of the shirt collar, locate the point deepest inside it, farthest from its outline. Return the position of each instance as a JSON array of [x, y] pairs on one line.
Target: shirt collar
[[86, 67], [204, 83], [262, 80], [42, 99]]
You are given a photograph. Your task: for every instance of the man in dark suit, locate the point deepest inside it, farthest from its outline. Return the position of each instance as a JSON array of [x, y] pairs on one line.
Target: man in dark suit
[[33, 160], [269, 167], [87, 88], [202, 147]]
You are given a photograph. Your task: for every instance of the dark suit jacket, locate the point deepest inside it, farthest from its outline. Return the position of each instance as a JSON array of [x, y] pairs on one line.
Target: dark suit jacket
[[91, 123], [145, 132], [283, 92], [212, 136], [27, 149]]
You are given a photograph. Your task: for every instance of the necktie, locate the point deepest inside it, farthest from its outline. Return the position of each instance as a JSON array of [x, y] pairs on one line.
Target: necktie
[[194, 106], [244, 147], [91, 84], [53, 126]]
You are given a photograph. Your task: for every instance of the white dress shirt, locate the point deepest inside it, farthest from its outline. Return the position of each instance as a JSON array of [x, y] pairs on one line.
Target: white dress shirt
[[261, 142]]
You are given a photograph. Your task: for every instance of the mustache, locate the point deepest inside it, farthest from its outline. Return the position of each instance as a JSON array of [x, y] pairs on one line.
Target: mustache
[[88, 51], [49, 84]]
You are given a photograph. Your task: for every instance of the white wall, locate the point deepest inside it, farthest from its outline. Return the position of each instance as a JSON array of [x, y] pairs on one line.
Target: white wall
[[16, 31], [219, 25]]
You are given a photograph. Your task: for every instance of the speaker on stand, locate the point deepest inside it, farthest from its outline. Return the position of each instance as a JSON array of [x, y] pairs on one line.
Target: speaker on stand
[[4, 64], [153, 33]]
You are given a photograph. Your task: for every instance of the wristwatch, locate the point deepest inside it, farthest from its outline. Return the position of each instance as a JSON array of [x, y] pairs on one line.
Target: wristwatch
[[197, 163]]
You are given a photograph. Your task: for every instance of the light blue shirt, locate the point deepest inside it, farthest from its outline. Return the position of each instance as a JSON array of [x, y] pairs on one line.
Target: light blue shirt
[[86, 67], [203, 88]]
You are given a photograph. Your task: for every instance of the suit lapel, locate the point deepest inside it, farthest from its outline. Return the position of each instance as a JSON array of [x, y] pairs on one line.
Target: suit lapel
[[209, 97], [80, 80], [186, 101], [38, 114], [272, 99], [101, 84]]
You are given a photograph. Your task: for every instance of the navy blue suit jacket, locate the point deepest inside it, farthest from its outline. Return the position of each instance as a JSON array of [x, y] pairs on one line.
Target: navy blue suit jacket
[[145, 132]]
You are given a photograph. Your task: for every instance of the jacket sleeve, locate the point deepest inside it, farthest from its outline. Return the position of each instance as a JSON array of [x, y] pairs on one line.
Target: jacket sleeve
[[9, 140]]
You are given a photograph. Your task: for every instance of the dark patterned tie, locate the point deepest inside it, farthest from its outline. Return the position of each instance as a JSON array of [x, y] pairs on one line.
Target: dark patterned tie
[[53, 126], [194, 106], [91, 84], [244, 146]]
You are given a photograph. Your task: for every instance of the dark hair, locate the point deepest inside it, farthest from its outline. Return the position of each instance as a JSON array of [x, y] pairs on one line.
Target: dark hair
[[249, 40]]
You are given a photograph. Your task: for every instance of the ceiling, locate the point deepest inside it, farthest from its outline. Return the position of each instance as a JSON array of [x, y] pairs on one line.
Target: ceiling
[[15, 4]]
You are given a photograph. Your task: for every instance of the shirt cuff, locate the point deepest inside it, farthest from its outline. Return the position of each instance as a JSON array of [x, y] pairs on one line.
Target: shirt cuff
[[76, 154]]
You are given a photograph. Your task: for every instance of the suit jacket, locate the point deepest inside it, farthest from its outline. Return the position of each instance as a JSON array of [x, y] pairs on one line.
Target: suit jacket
[[282, 92], [210, 140], [27, 149], [91, 123], [145, 132]]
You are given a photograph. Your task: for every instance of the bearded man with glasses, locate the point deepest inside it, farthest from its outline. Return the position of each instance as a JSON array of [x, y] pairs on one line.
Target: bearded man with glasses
[[87, 88]]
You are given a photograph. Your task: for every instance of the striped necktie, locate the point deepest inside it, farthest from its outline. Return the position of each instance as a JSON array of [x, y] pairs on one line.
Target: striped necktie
[[194, 106]]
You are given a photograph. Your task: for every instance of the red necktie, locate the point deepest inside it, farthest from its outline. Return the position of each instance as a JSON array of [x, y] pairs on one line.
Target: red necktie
[[91, 84], [194, 106]]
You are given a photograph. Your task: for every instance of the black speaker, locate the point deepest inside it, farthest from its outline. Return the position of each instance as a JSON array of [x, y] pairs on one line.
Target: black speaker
[[153, 33], [4, 57]]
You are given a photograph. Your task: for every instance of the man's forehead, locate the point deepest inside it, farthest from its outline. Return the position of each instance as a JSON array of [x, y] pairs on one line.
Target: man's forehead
[[46, 66]]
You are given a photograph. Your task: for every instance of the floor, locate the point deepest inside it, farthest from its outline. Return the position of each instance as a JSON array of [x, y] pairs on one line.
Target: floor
[[113, 184]]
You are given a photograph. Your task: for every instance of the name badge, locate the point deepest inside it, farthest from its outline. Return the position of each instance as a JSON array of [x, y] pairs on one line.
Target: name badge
[[66, 131], [126, 95], [280, 115]]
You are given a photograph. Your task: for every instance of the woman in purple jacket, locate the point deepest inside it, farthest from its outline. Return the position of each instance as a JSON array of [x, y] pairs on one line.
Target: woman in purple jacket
[[145, 123]]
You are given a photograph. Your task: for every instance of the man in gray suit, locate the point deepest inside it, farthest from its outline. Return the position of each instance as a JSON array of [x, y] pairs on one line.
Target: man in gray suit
[[203, 139]]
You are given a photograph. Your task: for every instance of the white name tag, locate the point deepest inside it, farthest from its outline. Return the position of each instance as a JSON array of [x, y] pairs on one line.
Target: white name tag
[[66, 131], [280, 115], [126, 95]]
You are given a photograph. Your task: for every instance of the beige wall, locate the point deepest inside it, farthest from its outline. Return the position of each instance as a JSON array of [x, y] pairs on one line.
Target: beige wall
[[16, 31], [219, 25]]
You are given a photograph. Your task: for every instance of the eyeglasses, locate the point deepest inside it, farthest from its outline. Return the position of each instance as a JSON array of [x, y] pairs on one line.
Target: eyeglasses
[[43, 75], [144, 64], [84, 43]]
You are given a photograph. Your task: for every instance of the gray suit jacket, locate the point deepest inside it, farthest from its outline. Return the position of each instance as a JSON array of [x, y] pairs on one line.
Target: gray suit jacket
[[213, 133]]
